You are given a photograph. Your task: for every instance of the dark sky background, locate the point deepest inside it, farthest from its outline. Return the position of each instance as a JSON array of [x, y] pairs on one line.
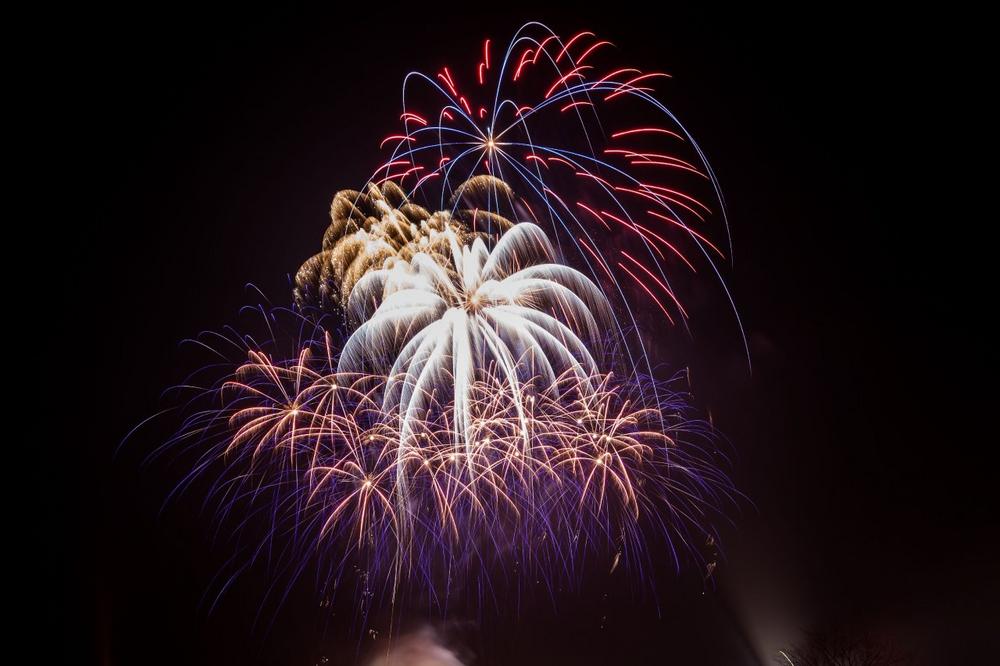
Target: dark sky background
[[213, 145]]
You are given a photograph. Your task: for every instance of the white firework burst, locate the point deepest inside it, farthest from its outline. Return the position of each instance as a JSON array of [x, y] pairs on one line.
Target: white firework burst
[[433, 326]]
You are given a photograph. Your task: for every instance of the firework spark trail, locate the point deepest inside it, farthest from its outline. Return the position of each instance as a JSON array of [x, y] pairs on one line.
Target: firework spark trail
[[585, 457], [541, 75], [445, 321], [478, 404]]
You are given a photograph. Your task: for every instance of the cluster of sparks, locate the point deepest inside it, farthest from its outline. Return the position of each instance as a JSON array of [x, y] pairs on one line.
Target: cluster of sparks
[[542, 115], [581, 465], [479, 406]]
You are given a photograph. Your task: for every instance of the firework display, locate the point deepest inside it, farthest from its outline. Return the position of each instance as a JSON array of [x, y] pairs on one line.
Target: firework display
[[469, 390]]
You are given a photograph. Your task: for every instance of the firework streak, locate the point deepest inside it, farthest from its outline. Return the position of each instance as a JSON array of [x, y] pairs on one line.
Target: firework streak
[[462, 402]]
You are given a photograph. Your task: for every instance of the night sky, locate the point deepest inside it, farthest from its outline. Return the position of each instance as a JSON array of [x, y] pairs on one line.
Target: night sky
[[212, 148]]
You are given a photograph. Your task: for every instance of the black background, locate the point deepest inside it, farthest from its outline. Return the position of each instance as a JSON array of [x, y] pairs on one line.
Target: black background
[[211, 146]]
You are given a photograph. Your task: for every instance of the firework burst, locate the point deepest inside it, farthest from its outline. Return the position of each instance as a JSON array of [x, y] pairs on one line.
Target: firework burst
[[466, 401], [604, 166], [576, 465]]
